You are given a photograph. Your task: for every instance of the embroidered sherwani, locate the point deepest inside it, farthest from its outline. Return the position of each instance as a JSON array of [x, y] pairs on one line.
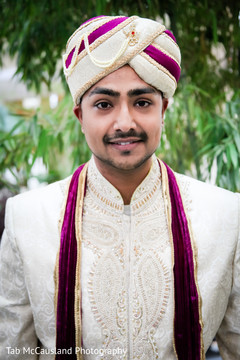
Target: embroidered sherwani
[[126, 269]]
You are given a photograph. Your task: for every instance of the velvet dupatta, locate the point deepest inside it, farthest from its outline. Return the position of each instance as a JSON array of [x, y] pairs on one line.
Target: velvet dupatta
[[187, 340]]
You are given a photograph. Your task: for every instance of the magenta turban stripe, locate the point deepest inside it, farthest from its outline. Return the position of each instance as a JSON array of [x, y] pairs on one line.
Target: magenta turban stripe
[[69, 58], [164, 60], [169, 33], [102, 30]]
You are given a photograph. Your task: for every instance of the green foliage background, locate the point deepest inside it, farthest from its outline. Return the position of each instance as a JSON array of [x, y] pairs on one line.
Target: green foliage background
[[202, 126]]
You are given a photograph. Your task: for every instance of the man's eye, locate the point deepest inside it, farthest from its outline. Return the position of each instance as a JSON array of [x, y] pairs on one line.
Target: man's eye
[[143, 103], [103, 105]]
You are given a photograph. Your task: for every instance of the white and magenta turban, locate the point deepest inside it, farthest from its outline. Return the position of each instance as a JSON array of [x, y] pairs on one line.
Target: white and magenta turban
[[103, 44]]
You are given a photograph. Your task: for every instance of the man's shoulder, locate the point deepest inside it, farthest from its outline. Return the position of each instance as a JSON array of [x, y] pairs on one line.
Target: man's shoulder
[[44, 197], [208, 195]]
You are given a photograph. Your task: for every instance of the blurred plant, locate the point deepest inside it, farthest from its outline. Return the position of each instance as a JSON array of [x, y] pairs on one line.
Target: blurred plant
[[182, 137], [54, 137], [222, 144], [15, 149], [200, 142]]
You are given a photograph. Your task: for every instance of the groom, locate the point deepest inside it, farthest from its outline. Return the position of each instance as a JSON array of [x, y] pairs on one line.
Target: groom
[[146, 261]]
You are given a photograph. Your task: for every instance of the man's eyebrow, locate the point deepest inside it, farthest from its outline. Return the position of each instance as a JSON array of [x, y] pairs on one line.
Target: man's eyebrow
[[104, 91], [142, 91], [131, 93]]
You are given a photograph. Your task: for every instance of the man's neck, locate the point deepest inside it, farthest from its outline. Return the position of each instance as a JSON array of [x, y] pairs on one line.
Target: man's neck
[[124, 181]]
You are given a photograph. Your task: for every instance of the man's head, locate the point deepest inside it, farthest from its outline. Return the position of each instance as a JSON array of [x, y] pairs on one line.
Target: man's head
[[105, 43], [122, 118], [120, 72]]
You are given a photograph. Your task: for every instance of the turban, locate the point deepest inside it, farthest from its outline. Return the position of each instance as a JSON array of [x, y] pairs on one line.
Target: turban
[[103, 44]]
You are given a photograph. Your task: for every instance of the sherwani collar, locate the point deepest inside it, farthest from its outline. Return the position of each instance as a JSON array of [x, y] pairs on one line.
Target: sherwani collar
[[108, 196]]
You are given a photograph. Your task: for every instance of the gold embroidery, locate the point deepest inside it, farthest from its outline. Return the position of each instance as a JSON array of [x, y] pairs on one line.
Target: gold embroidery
[[145, 305], [78, 227], [149, 196], [104, 199], [94, 28], [56, 268], [167, 201], [96, 43], [132, 35]]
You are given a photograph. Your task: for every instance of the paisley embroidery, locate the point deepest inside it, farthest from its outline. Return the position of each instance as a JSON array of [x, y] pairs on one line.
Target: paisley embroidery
[[128, 281], [153, 283], [104, 287]]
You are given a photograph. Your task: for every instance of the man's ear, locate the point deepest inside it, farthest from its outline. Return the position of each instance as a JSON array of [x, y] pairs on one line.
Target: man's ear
[[164, 106], [78, 113]]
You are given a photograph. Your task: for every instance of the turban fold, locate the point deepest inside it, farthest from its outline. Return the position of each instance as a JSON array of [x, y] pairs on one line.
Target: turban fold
[[103, 44]]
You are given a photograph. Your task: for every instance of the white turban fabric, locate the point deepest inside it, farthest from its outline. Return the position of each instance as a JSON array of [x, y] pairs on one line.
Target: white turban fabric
[[104, 44]]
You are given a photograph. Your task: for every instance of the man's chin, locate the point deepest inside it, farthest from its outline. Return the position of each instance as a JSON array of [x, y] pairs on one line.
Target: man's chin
[[124, 165]]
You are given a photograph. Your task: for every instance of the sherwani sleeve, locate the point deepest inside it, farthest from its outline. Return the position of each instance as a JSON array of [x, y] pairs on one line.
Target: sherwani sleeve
[[16, 318], [229, 333]]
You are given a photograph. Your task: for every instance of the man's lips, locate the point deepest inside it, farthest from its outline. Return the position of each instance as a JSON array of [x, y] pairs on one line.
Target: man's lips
[[123, 138], [126, 144], [125, 141]]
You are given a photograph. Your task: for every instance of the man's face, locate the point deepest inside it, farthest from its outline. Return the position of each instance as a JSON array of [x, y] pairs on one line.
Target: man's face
[[122, 119]]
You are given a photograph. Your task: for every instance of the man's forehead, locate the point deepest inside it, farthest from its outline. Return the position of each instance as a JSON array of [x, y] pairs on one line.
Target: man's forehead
[[124, 77], [123, 81]]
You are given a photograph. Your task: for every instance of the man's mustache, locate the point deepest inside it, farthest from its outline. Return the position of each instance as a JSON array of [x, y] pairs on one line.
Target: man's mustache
[[142, 136]]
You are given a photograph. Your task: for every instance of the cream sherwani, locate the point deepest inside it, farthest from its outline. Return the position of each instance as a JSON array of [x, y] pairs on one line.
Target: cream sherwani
[[127, 277]]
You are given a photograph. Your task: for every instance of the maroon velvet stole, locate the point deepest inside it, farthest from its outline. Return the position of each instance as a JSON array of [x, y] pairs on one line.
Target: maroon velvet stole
[[187, 318]]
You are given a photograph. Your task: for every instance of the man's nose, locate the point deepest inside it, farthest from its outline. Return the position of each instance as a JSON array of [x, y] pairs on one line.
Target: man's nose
[[124, 119]]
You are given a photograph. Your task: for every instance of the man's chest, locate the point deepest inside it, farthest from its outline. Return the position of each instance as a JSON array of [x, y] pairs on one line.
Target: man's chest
[[127, 279]]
